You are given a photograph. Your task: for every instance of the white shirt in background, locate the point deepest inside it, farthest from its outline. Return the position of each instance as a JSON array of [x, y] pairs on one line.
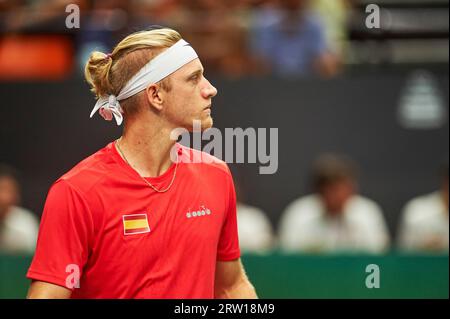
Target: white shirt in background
[[255, 229], [306, 227], [18, 231], [425, 224]]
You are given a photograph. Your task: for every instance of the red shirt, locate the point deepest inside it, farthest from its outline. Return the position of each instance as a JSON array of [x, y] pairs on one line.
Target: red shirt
[[129, 241]]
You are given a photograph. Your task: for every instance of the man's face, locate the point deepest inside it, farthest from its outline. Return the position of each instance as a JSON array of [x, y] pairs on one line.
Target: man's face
[[9, 194], [190, 97], [336, 195]]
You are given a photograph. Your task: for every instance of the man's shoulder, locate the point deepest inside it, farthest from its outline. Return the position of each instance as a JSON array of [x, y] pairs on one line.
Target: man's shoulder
[[423, 207], [306, 200], [250, 212], [308, 205], [203, 160], [363, 207], [360, 202], [88, 172], [425, 199], [20, 217]]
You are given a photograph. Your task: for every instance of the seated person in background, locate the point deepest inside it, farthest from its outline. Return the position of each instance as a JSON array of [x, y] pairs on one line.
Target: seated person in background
[[290, 40], [219, 34], [254, 227], [18, 226], [335, 218], [335, 16], [425, 224]]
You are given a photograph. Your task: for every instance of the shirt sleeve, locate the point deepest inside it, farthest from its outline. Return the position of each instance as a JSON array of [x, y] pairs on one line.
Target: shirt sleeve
[[64, 237], [228, 247]]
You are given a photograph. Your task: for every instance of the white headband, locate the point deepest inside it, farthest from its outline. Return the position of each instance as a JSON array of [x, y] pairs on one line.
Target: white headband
[[154, 71]]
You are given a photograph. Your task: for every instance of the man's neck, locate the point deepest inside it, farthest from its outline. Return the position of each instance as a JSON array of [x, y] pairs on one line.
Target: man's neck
[[146, 147]]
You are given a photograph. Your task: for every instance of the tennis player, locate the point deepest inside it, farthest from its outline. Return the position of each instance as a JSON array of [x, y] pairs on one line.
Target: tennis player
[[137, 219]]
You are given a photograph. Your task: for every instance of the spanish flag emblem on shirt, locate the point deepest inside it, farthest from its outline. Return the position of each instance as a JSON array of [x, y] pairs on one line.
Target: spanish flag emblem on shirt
[[135, 224]]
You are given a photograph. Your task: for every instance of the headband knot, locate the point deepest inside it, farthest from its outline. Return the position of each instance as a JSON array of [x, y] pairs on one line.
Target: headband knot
[[113, 102], [109, 107]]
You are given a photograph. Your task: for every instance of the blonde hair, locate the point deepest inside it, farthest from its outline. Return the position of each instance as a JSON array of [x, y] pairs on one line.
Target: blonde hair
[[108, 73]]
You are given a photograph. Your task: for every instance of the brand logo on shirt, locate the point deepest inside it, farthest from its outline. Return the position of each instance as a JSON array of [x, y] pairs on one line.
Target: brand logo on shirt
[[203, 211], [135, 224]]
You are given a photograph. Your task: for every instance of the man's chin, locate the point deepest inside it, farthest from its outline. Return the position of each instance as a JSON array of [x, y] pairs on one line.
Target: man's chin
[[202, 125], [207, 124]]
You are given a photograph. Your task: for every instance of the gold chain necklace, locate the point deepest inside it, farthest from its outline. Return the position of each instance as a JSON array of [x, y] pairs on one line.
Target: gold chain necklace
[[146, 181]]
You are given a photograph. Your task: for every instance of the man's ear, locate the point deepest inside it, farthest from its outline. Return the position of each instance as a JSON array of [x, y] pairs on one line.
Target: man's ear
[[154, 96]]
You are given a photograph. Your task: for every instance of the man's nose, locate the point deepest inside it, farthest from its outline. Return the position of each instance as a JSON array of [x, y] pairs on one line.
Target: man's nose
[[209, 90]]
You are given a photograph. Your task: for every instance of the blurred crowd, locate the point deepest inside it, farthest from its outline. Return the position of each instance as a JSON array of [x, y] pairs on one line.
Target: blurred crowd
[[335, 218], [233, 37]]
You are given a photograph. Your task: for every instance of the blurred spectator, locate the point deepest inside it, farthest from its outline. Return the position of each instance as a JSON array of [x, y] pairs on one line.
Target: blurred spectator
[[254, 227], [26, 16], [286, 37], [425, 223], [100, 22], [217, 31], [102, 25], [335, 218], [18, 226], [334, 15], [291, 40]]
